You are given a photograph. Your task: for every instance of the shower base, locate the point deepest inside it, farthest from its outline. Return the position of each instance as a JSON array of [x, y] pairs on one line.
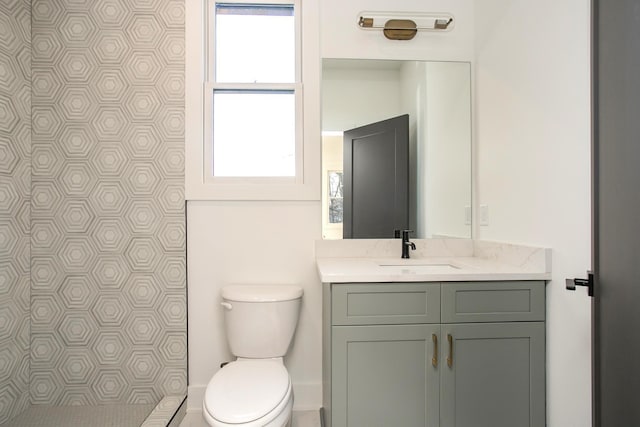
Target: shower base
[[82, 416], [169, 412]]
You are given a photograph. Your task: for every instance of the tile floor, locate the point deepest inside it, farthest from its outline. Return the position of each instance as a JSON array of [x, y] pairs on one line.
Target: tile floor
[[300, 419]]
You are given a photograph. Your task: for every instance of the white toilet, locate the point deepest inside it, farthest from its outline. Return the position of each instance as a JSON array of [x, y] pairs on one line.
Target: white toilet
[[255, 389]]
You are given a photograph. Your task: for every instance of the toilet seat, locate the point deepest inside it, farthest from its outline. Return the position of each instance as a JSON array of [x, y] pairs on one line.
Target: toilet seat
[[249, 392]]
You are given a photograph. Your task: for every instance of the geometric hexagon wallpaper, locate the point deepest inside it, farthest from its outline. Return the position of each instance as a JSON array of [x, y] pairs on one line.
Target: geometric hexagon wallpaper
[[15, 194], [108, 163], [91, 202]]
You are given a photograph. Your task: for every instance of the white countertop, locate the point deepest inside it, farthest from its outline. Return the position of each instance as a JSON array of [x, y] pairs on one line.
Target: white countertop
[[438, 269], [480, 261]]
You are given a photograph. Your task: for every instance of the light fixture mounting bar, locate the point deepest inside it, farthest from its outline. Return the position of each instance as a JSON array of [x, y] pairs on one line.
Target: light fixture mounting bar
[[405, 21]]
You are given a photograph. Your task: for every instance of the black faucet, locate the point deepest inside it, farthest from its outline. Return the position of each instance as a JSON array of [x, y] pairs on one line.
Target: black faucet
[[406, 243]]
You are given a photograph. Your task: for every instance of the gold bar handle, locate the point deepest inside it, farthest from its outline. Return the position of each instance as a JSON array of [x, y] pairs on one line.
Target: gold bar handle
[[450, 358], [434, 359]]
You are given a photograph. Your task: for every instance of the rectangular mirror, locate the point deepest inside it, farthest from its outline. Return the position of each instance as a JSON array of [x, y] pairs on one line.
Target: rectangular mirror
[[436, 97]]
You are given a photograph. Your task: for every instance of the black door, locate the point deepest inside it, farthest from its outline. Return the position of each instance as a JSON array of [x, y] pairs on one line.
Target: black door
[[616, 237], [376, 179]]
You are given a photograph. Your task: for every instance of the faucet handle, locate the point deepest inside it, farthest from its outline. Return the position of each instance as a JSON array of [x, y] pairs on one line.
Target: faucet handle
[[405, 233]]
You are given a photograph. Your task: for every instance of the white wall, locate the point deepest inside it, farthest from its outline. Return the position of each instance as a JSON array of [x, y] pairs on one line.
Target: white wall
[[414, 95], [353, 97], [437, 96], [533, 148], [445, 149]]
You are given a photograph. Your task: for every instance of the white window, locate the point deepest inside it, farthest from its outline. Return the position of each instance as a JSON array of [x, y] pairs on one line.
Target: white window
[[253, 43], [252, 140], [253, 133], [252, 96]]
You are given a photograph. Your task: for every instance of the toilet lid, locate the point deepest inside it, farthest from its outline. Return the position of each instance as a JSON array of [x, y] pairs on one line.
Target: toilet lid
[[246, 390]]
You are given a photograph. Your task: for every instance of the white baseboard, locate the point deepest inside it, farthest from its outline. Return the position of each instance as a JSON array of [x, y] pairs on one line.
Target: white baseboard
[[307, 397], [194, 397]]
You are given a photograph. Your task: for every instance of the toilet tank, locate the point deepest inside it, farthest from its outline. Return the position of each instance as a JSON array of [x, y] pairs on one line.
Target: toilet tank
[[260, 321]]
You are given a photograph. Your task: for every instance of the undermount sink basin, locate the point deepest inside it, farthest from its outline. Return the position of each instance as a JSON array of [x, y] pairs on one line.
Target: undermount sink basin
[[417, 267]]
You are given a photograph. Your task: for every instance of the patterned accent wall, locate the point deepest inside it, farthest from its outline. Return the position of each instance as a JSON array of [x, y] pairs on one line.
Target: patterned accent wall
[[15, 187], [108, 299]]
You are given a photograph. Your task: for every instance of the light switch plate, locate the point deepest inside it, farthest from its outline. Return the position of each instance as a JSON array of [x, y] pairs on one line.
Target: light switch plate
[[467, 215], [484, 215]]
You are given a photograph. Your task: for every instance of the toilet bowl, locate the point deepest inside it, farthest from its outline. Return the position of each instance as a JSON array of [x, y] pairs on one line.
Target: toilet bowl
[[255, 390], [249, 393]]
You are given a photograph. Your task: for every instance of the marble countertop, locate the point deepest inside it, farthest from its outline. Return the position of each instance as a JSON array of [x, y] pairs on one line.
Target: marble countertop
[[438, 261]]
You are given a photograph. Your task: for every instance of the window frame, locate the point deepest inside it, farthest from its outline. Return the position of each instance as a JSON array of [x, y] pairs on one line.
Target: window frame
[[200, 184]]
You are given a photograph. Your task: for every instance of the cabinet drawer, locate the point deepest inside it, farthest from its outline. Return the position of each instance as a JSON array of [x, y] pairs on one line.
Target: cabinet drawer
[[493, 302], [385, 303]]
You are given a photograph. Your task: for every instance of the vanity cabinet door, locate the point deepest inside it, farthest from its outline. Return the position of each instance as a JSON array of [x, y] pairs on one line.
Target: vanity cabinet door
[[384, 375], [496, 377]]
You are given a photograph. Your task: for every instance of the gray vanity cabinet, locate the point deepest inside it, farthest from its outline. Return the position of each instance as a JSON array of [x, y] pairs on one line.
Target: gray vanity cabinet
[[494, 334], [434, 355]]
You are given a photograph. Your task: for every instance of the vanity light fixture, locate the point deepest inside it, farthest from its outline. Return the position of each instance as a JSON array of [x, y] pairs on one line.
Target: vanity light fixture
[[404, 26]]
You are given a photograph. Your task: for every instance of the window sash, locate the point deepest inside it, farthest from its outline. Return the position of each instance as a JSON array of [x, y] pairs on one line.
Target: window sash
[[254, 133], [210, 88], [211, 33], [255, 43]]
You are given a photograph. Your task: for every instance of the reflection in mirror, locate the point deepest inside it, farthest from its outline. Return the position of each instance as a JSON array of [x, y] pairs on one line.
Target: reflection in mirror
[[335, 194], [437, 98]]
